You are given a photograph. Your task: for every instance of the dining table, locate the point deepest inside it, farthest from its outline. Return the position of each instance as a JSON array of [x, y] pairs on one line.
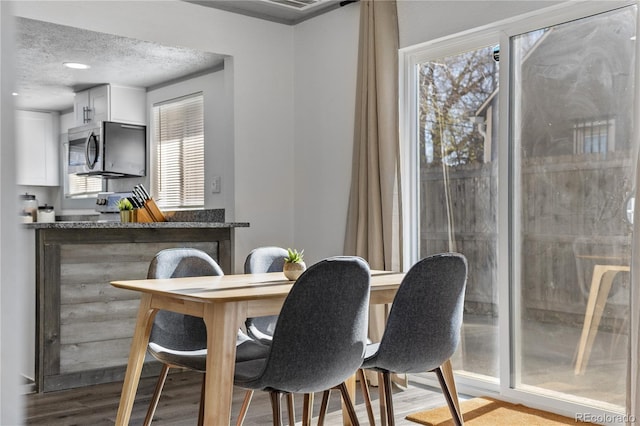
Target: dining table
[[224, 302]]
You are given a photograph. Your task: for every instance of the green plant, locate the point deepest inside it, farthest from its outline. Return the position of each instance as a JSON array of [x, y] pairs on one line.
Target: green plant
[[294, 256], [124, 204]]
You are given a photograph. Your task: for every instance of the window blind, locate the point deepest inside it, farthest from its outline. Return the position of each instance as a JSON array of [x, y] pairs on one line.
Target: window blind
[[179, 152], [79, 186]]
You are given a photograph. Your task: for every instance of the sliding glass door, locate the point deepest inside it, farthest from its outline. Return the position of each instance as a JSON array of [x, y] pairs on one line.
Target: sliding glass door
[[523, 159], [457, 122], [573, 163]]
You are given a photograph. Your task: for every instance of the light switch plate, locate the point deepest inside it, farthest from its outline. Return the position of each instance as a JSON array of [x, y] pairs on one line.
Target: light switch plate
[[215, 185]]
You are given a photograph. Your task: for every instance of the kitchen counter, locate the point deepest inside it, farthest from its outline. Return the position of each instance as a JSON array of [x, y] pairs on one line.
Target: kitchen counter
[[204, 218], [83, 324], [129, 225]]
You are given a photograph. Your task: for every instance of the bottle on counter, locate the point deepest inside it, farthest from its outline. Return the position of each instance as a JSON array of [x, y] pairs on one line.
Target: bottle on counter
[[29, 204], [46, 214]]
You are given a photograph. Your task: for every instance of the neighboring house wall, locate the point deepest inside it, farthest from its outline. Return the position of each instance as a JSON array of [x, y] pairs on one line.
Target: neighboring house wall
[[558, 109]]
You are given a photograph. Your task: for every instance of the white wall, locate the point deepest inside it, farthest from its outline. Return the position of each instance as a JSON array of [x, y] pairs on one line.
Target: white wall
[[12, 264], [426, 20], [261, 87], [218, 150], [326, 57]]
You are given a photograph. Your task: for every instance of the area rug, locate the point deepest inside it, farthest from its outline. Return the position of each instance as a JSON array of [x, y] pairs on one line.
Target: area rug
[[491, 412]]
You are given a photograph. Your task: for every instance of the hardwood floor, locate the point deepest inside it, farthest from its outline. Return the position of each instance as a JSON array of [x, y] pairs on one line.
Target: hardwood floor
[[97, 405]]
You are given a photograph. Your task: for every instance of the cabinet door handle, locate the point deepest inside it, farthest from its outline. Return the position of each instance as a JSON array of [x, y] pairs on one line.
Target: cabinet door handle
[[86, 114]]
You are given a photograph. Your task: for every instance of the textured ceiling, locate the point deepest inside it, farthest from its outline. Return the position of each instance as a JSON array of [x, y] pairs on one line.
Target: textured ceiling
[[43, 83]]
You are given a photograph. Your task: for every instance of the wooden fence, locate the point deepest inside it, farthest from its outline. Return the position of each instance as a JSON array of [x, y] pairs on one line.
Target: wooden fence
[[572, 214]]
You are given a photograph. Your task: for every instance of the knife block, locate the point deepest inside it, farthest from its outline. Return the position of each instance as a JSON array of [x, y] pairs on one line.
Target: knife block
[[142, 216], [154, 211]]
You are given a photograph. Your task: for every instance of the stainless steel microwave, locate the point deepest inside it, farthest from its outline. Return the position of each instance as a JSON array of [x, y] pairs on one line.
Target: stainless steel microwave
[[108, 149]]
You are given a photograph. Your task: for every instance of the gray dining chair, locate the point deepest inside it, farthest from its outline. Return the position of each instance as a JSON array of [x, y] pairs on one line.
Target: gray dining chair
[[320, 336], [179, 340], [261, 260], [423, 327]]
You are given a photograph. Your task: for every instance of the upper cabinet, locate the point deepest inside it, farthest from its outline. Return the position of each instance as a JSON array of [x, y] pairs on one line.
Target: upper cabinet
[[110, 103], [92, 105], [36, 148]]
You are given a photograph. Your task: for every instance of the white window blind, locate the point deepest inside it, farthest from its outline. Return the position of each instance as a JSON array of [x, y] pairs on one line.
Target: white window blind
[[80, 186], [179, 152]]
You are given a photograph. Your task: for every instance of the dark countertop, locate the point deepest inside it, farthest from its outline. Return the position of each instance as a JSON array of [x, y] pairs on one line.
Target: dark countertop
[[202, 218], [133, 225]]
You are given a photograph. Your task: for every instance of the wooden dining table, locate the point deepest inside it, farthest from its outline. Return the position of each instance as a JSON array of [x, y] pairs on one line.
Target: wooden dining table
[[224, 302]]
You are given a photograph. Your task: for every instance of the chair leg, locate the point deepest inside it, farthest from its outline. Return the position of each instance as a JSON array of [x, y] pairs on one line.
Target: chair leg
[[156, 394], [323, 407], [245, 406], [383, 404], [346, 398], [307, 409], [388, 397], [201, 409], [291, 409], [366, 395], [455, 413], [275, 407]]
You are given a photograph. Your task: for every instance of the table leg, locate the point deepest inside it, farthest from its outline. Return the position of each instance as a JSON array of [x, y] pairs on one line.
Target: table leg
[[222, 321], [144, 322]]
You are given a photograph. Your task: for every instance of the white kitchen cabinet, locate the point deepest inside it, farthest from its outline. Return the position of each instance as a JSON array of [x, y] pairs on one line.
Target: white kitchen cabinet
[[91, 105], [110, 102], [37, 160]]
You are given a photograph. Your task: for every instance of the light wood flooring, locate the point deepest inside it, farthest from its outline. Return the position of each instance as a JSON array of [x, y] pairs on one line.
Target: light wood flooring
[[97, 405]]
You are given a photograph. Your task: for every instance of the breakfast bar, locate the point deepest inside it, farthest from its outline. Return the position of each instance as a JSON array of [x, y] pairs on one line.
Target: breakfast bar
[[83, 324]]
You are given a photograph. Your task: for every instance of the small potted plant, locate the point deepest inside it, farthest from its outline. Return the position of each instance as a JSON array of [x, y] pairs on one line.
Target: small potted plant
[[126, 210], [294, 264]]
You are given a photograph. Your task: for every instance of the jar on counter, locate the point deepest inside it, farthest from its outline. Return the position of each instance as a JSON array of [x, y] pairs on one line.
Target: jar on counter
[[29, 204], [25, 217], [46, 214]]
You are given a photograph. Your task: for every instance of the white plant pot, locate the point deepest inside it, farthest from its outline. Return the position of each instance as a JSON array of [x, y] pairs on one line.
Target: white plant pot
[[293, 270]]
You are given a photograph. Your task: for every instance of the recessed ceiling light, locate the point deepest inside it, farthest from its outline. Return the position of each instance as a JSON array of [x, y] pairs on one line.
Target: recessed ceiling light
[[76, 65], [14, 94]]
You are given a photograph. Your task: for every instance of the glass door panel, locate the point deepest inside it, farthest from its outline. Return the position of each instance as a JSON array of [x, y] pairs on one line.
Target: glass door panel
[[457, 129], [572, 163]]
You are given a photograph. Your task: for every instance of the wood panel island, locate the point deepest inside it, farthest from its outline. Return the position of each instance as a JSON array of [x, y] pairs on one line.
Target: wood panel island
[[83, 324]]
